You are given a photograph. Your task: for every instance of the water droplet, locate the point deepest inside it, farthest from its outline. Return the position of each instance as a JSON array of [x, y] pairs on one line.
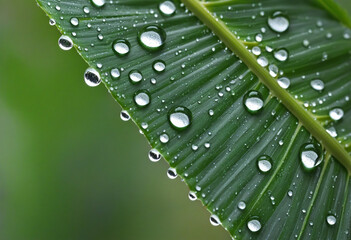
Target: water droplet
[[332, 132], [98, 3], [310, 155], [254, 225], [86, 10], [214, 220], [142, 98], [290, 193], [115, 73], [152, 37], [74, 22], [154, 155], [336, 114], [192, 196], [278, 22], [159, 66], [317, 85], [121, 47], [264, 163], [164, 138], [167, 8], [125, 116], [273, 70], [331, 220], [52, 22], [284, 82], [256, 51], [263, 61], [92, 77], [135, 76], [281, 55], [242, 205], [253, 101], [259, 37], [65, 43], [172, 173], [180, 118]]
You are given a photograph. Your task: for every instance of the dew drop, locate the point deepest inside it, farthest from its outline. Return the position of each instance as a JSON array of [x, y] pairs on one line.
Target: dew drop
[[65, 43], [180, 118], [284, 82], [264, 163], [214, 220], [263, 61], [259, 37], [281, 55], [154, 155], [125, 116], [172, 173], [142, 98], [98, 3], [74, 22], [92, 77], [115, 73], [273, 70], [135, 76], [254, 225], [256, 51], [331, 220], [317, 85], [152, 37], [253, 101], [242, 205], [336, 114], [159, 66], [310, 155], [164, 138], [52, 22], [278, 22], [332, 131], [167, 8], [121, 47], [192, 196]]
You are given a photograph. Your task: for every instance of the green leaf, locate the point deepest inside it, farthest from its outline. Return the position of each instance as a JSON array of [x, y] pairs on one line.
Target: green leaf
[[253, 115]]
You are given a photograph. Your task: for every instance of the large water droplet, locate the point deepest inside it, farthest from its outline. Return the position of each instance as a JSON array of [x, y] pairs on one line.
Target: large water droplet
[[284, 82], [92, 77], [180, 118], [253, 101], [154, 155], [142, 98], [281, 55], [121, 47], [254, 225], [214, 220], [172, 173], [331, 220], [310, 155], [98, 3], [135, 76], [317, 85], [167, 8], [336, 114], [278, 22], [159, 66], [264, 163], [65, 43], [152, 37]]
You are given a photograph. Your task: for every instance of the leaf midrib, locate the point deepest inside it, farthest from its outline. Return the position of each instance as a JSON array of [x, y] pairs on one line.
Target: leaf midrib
[[236, 46]]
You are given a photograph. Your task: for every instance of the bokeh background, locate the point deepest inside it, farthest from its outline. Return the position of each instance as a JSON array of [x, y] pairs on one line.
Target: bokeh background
[[70, 169]]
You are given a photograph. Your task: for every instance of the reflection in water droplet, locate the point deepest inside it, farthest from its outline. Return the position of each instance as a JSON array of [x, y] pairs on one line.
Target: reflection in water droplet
[[92, 77], [242, 205], [214, 220], [159, 66], [65, 43], [135, 76], [281, 55], [254, 225], [164, 138], [125, 115], [180, 117], [336, 114], [142, 98], [253, 101], [264, 163], [284, 82], [311, 155], [154, 155], [331, 220], [192, 196], [152, 37], [98, 3], [317, 85], [121, 47], [167, 8], [115, 73], [278, 22], [172, 173]]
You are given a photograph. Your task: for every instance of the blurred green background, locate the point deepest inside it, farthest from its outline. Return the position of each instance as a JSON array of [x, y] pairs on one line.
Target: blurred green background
[[69, 167]]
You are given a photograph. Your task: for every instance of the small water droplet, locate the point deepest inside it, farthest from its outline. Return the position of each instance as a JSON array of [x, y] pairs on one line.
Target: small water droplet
[[142, 98], [167, 8], [121, 47], [154, 155], [192, 196], [242, 205], [214, 220], [125, 115], [74, 22], [290, 193], [115, 73], [284, 82], [259, 37], [253, 101], [65, 43], [278, 22], [164, 138], [152, 37], [98, 3], [263, 61], [273, 70], [159, 66], [180, 118], [281, 55], [264, 163], [92, 77], [135, 76], [317, 85], [256, 51], [310, 155], [52, 22], [254, 225], [172, 173], [331, 220], [336, 114]]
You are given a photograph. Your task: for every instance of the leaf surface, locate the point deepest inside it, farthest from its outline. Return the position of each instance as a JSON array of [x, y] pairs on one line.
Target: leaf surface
[[206, 81]]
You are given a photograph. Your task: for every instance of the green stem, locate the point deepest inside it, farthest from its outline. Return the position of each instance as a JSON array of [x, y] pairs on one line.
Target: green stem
[[305, 117]]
